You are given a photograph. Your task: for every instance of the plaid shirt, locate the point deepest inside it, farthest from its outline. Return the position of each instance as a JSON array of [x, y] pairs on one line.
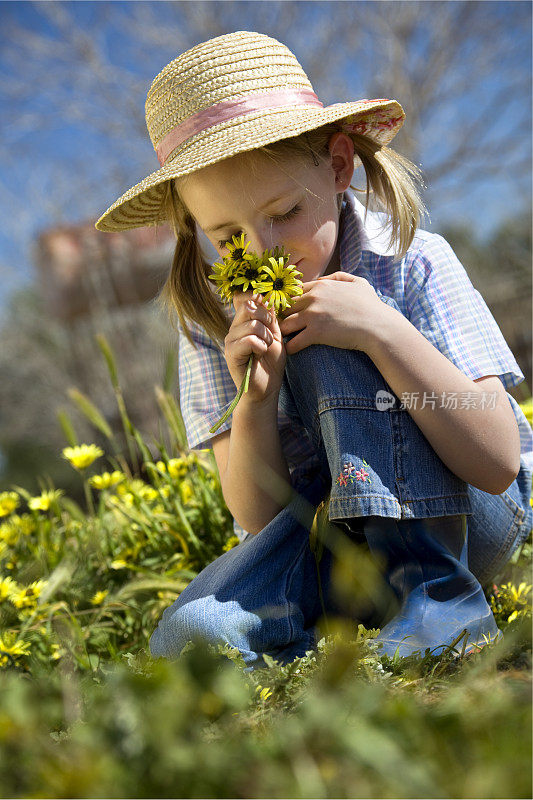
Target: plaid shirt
[[429, 286]]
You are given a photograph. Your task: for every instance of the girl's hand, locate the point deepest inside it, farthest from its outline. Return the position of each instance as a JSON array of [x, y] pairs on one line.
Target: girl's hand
[[341, 310], [255, 329]]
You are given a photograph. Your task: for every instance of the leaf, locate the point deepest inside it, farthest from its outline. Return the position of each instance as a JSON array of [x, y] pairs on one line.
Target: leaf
[[105, 348], [150, 585], [67, 428], [90, 411]]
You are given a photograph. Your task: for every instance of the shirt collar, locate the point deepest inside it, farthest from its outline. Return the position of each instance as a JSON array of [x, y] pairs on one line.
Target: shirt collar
[[359, 234]]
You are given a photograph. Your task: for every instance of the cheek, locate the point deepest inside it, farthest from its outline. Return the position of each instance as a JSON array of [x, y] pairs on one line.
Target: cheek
[[322, 238]]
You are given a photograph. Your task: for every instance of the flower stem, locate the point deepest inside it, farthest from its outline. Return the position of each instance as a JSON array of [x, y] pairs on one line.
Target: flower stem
[[242, 389]]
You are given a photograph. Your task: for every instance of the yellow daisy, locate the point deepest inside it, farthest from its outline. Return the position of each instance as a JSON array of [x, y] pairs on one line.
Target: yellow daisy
[[82, 456], [237, 249], [177, 467], [106, 480], [248, 276], [280, 284], [186, 492], [45, 500], [8, 650], [24, 524], [7, 587], [9, 534], [27, 596], [232, 542], [119, 563], [9, 501], [148, 493], [99, 596], [223, 276]]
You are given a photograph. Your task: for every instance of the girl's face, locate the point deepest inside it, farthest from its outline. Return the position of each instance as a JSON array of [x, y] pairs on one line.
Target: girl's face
[[268, 202]]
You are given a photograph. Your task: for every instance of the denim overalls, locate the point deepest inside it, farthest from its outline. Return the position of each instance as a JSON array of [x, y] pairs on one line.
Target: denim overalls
[[377, 468]]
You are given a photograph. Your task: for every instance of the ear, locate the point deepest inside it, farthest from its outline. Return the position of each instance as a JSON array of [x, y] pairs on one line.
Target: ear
[[342, 155]]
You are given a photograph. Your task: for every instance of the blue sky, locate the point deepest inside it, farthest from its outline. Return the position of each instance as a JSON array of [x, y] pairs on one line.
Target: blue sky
[[39, 188]]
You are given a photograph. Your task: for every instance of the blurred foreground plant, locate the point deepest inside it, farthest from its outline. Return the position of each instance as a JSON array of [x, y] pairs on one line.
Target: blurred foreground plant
[[80, 717]]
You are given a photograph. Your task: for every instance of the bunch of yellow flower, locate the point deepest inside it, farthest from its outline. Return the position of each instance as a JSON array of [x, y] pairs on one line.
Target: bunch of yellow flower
[[270, 275]]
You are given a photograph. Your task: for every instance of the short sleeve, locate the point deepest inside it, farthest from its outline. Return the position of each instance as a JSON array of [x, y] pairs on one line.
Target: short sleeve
[[445, 307], [205, 385]]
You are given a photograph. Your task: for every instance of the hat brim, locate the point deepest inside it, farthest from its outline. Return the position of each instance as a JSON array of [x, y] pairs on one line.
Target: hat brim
[[143, 203]]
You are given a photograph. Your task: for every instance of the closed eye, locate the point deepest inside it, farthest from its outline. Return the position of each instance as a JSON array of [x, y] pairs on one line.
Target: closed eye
[[289, 214]]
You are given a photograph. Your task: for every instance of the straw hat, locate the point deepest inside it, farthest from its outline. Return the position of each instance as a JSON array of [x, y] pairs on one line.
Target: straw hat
[[233, 93]]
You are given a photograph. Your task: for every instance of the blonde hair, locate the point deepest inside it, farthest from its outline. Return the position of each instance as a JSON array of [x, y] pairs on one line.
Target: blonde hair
[[393, 185]]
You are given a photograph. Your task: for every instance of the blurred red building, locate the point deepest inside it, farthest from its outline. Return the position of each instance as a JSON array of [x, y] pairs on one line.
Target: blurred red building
[[82, 270]]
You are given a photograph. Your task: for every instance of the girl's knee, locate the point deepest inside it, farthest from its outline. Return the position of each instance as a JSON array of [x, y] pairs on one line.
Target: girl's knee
[[205, 619]]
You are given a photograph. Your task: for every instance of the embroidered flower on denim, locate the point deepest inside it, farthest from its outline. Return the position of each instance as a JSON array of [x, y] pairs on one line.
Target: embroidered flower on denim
[[349, 471]]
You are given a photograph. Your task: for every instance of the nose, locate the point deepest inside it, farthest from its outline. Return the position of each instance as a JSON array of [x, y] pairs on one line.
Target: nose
[[262, 238]]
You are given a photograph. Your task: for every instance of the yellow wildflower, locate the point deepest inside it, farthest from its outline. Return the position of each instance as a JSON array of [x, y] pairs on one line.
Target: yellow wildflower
[[99, 596], [9, 533], [237, 249], [136, 486], [165, 491], [8, 587], [280, 284], [9, 501], [25, 523], [232, 542], [186, 492], [9, 650], [148, 493], [82, 456], [177, 467], [57, 652], [119, 563], [264, 692], [106, 480], [248, 277], [223, 276], [45, 500], [25, 597]]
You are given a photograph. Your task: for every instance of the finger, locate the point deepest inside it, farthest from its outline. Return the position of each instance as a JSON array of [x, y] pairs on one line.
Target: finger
[[244, 345], [253, 327], [253, 310], [240, 298], [297, 304], [298, 343], [293, 323], [338, 276]]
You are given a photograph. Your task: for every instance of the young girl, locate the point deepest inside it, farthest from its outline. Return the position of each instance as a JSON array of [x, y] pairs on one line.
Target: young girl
[[378, 397]]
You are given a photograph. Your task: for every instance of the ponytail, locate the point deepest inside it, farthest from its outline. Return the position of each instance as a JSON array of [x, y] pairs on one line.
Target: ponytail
[[188, 290], [395, 183]]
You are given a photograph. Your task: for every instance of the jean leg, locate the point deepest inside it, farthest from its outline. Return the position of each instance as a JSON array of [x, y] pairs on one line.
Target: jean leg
[[261, 596], [498, 525], [379, 461]]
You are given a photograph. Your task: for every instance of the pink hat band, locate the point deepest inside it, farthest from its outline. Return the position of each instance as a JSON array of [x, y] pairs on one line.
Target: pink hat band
[[228, 110]]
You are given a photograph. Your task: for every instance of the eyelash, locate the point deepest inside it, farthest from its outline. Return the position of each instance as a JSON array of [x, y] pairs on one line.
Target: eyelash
[[283, 218]]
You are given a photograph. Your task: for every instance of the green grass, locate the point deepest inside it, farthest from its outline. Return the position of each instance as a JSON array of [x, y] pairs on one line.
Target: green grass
[[85, 711]]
